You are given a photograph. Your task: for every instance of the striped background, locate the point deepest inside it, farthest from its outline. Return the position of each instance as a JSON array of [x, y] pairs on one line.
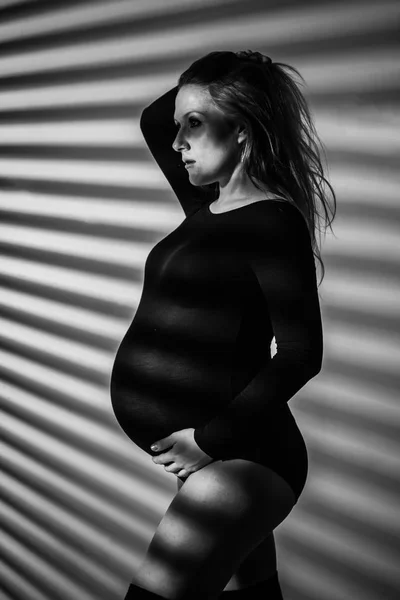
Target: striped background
[[81, 205]]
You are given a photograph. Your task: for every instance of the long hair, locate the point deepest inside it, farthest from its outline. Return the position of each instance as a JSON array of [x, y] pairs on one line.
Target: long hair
[[282, 145]]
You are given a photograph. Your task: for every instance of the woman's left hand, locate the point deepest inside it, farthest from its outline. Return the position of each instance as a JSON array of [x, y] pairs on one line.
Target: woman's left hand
[[185, 455]]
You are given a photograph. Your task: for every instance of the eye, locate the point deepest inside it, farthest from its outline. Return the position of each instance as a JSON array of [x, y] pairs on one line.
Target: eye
[[191, 120]]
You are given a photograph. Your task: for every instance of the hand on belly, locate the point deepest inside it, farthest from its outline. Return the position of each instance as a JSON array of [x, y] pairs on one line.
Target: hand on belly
[[185, 456]]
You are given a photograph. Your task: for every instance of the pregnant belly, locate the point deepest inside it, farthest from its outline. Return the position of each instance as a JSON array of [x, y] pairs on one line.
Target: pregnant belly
[[155, 392], [147, 415]]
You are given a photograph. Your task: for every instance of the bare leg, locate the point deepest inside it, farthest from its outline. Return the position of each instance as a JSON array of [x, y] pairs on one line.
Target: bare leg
[[259, 564], [218, 517]]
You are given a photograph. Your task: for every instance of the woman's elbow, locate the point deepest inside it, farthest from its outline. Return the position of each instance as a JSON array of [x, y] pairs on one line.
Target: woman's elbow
[[315, 364], [310, 362]]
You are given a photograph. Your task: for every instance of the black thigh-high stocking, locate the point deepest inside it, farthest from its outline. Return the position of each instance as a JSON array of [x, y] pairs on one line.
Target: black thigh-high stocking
[[138, 593], [269, 589]]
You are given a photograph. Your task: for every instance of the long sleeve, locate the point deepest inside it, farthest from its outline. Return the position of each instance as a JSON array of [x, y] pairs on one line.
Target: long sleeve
[[279, 255], [159, 131]]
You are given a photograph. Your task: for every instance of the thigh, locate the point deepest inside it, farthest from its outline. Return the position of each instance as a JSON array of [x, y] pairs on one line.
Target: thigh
[[259, 564], [243, 480], [220, 514]]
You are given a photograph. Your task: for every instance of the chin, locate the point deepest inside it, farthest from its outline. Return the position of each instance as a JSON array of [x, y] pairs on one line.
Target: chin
[[197, 181]]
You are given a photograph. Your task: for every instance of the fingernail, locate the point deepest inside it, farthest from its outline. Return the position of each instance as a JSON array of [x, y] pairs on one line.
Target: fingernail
[[155, 448]]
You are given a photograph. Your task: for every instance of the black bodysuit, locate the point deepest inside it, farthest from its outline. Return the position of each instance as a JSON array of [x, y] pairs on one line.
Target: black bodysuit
[[216, 291]]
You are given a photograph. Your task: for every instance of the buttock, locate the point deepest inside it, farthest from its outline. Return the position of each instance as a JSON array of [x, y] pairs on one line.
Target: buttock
[[292, 472], [242, 479], [240, 466]]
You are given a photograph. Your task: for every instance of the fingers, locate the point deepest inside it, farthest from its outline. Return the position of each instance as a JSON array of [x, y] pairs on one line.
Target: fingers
[[172, 468], [162, 459], [178, 471], [169, 465]]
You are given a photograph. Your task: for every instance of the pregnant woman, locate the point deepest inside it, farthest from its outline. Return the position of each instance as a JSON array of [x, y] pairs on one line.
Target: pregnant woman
[[228, 328]]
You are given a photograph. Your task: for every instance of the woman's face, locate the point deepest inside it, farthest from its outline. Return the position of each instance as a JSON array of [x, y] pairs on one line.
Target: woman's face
[[205, 136]]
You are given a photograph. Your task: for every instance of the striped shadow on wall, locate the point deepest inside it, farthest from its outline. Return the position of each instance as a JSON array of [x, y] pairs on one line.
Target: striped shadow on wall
[[81, 205]]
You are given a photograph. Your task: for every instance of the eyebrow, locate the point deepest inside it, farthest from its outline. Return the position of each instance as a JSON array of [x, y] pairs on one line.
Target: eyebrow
[[190, 111]]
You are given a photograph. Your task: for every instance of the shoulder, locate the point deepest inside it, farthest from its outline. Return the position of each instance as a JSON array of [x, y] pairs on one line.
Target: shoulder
[[278, 209], [278, 240], [275, 221]]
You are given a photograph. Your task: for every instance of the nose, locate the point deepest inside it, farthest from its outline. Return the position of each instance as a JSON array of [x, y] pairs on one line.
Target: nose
[[178, 144]]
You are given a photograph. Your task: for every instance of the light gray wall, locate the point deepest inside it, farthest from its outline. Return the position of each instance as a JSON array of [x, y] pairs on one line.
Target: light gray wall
[[81, 205]]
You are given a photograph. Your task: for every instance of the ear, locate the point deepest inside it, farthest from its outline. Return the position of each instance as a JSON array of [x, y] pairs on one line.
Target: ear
[[241, 134]]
